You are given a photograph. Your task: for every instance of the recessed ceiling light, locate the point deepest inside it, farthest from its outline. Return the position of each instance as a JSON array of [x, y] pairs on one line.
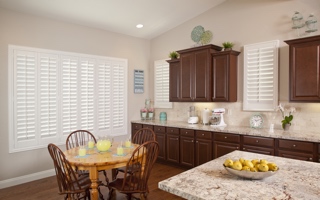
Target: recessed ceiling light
[[139, 26]]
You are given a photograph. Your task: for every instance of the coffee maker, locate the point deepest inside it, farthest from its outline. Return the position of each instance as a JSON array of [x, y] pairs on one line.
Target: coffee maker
[[217, 117], [192, 116]]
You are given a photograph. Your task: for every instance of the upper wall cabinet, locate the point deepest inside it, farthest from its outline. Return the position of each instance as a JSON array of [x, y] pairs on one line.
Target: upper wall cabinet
[[304, 69], [224, 76], [192, 81]]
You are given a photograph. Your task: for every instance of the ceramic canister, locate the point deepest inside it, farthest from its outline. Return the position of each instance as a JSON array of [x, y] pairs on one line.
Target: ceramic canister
[[163, 116]]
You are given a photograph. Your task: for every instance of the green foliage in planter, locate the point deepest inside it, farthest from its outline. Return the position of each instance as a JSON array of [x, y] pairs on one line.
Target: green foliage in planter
[[227, 45], [173, 55]]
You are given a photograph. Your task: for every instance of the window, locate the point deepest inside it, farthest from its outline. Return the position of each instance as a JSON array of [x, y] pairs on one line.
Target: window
[[260, 88], [53, 93], [161, 84]]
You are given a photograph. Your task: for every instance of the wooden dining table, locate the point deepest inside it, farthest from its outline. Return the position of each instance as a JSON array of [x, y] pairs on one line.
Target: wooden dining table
[[96, 160]]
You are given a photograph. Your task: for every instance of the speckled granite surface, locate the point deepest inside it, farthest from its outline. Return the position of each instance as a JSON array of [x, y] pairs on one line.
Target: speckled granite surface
[[278, 133], [296, 180]]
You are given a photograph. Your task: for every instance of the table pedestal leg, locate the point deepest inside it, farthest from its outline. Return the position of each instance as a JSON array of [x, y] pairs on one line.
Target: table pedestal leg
[[94, 183]]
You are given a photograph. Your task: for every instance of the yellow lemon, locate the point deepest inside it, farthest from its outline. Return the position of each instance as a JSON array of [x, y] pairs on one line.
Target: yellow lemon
[[272, 167], [248, 163], [263, 161], [228, 163], [253, 169], [242, 161], [263, 167], [255, 161], [237, 165], [245, 168]]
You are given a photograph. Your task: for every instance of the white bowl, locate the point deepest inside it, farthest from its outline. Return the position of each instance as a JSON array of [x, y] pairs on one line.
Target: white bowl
[[250, 175]]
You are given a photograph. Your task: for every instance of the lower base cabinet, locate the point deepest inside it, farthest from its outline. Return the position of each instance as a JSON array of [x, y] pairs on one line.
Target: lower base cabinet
[[160, 132], [173, 145], [203, 148], [298, 150], [261, 150], [222, 148]]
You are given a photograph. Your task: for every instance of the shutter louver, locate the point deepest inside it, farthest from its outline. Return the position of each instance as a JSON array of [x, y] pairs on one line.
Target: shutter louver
[[104, 96], [69, 103], [118, 97], [25, 98], [261, 76], [87, 95], [161, 85], [48, 95]]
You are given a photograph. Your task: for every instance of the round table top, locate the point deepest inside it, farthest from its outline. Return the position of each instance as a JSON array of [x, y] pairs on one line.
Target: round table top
[[94, 157]]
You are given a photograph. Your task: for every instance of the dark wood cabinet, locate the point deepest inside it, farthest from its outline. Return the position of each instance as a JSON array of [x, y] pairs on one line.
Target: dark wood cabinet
[[187, 150], [172, 144], [225, 143], [304, 69], [318, 153], [192, 82], [203, 148], [260, 145], [148, 126], [134, 128], [174, 80], [160, 132], [296, 149], [224, 76]]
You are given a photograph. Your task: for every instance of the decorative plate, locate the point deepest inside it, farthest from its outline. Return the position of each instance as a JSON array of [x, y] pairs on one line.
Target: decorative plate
[[206, 37], [250, 175], [197, 33], [256, 121]]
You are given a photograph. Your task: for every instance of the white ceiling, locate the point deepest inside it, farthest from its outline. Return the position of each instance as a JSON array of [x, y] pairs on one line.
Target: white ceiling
[[120, 16]]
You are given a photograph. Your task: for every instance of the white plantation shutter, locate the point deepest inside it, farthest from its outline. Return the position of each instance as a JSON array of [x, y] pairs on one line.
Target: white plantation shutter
[[48, 97], [87, 94], [25, 104], [261, 76], [69, 94], [104, 96], [53, 93], [161, 84], [112, 81]]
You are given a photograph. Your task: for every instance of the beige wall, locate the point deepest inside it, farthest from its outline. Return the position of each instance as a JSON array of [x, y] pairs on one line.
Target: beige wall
[[245, 22], [26, 30]]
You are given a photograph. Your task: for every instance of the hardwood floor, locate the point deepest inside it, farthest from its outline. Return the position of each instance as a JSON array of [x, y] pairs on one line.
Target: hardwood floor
[[47, 188]]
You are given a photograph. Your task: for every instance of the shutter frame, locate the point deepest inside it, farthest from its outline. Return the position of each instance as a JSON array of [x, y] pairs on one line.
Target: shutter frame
[[161, 84]]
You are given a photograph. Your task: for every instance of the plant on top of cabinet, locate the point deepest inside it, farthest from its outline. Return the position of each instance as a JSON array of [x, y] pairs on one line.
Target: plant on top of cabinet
[[227, 46], [174, 55]]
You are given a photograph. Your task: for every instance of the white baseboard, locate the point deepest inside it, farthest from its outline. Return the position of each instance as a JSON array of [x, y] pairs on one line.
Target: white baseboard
[[27, 178]]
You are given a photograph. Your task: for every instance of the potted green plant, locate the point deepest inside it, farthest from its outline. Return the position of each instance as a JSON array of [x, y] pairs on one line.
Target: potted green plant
[[173, 55], [227, 46]]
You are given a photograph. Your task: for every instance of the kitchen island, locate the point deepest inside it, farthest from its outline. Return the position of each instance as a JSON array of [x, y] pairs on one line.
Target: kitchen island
[[296, 180]]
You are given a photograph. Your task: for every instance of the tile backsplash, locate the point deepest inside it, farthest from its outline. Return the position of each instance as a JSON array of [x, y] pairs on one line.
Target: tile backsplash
[[306, 117]]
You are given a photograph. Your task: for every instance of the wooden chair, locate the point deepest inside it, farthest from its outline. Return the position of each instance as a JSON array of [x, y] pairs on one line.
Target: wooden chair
[[140, 165], [70, 184], [79, 138], [141, 136]]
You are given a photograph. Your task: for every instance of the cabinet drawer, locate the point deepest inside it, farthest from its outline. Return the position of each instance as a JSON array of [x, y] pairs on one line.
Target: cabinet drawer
[[159, 129], [187, 132], [148, 126], [204, 135], [136, 126], [319, 148], [171, 130], [258, 141], [227, 137], [296, 145]]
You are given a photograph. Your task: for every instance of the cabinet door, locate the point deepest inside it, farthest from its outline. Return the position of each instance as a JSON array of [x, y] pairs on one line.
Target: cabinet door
[[174, 81], [161, 139], [173, 148], [203, 151], [187, 151], [222, 148], [134, 128], [224, 76], [295, 155], [187, 76], [202, 76], [304, 69], [261, 150]]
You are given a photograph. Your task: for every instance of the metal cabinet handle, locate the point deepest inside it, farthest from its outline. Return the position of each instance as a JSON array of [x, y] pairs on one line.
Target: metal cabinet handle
[[237, 148], [198, 142], [191, 140], [225, 137], [244, 148], [175, 138], [294, 145], [171, 130], [202, 134], [257, 141]]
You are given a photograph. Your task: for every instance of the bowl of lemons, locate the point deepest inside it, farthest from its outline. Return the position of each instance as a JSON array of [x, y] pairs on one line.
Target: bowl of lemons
[[251, 169]]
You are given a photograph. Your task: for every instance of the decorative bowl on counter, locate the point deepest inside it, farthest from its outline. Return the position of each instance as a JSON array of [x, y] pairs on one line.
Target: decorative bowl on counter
[[250, 175]]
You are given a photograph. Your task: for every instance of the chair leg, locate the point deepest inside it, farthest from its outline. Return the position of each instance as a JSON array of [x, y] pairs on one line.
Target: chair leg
[[100, 194], [105, 175], [110, 193], [129, 196]]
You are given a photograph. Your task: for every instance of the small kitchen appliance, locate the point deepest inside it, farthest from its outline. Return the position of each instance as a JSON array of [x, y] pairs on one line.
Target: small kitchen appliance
[[192, 116], [217, 117], [205, 116]]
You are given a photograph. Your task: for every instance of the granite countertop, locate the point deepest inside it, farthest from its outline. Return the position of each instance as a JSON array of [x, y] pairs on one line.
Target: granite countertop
[[242, 130], [296, 180]]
